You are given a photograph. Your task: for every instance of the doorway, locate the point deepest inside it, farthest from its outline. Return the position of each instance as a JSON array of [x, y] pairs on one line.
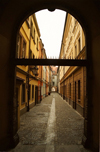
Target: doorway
[[36, 95], [18, 107], [75, 95]]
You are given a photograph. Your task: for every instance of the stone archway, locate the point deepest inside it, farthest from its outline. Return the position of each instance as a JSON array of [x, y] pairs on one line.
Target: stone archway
[[12, 14]]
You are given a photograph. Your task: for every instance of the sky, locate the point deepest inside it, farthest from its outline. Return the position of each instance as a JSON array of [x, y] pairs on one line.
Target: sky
[[51, 25]]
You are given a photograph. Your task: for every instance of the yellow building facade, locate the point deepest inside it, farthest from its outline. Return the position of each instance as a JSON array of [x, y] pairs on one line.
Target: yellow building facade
[[73, 78], [26, 82]]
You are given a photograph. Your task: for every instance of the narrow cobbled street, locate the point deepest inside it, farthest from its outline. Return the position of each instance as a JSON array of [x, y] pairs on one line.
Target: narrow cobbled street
[[51, 126]]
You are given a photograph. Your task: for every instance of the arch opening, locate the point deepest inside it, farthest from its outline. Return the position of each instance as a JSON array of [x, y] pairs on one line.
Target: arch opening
[[64, 80], [13, 29]]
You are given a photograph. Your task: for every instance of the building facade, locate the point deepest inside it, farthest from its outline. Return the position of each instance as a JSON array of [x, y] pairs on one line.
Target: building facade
[[50, 78], [43, 81], [58, 80], [44, 75], [31, 87], [73, 78], [40, 71], [54, 83]]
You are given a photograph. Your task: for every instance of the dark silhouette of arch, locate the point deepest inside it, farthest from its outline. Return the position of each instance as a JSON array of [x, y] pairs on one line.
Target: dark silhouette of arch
[[12, 15]]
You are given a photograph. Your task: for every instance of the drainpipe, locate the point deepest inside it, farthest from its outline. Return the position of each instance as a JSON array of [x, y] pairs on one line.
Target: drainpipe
[[41, 79], [45, 83], [63, 70], [41, 76], [28, 92]]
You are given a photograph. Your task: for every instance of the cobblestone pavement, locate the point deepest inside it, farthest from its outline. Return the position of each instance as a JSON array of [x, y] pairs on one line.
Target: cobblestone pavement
[[51, 126]]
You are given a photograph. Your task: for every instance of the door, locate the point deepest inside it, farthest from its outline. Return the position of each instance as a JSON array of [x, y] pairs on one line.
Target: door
[[36, 95], [75, 94], [18, 109]]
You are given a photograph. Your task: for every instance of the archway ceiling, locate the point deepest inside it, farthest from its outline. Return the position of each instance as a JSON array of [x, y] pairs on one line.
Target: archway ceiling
[[15, 12]]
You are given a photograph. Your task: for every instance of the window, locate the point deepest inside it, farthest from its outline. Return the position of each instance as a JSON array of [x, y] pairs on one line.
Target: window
[[32, 32], [32, 29], [24, 49], [75, 51], [66, 90], [34, 36], [29, 92], [21, 47], [75, 21], [37, 44], [72, 55], [79, 45], [79, 90], [70, 90], [28, 22], [18, 51], [23, 93], [32, 91], [31, 56]]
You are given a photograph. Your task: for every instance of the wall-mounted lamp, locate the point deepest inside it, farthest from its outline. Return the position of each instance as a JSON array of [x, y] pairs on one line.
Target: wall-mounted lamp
[[35, 70]]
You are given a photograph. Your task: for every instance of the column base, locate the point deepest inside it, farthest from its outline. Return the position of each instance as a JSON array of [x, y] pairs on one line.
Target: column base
[[9, 143], [84, 141], [88, 144]]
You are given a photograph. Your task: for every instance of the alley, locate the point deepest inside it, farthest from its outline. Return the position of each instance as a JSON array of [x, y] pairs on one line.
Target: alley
[[51, 126]]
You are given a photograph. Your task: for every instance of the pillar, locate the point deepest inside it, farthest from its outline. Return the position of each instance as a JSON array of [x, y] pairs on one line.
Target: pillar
[[8, 104]]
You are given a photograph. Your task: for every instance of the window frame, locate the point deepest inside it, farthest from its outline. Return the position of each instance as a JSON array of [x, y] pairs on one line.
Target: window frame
[[19, 50], [79, 91]]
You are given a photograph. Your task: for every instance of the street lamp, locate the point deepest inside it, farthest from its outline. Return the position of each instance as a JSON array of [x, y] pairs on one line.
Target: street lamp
[[35, 70]]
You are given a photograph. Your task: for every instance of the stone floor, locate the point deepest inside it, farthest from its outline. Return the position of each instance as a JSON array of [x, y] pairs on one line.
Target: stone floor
[[51, 126]]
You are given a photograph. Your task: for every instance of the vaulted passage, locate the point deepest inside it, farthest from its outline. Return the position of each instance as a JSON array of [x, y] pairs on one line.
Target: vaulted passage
[[12, 15], [35, 82]]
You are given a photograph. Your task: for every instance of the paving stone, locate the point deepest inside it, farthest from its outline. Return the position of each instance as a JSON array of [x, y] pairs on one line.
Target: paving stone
[[68, 148], [38, 149], [68, 128]]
